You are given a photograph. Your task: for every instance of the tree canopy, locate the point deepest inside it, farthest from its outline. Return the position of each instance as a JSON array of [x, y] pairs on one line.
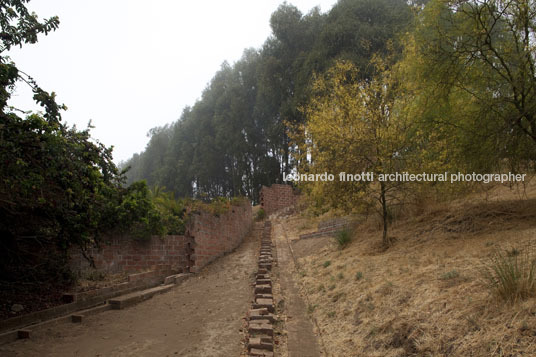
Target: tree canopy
[[236, 137]]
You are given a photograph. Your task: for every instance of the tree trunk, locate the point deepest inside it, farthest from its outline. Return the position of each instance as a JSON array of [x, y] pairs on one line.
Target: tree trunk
[[384, 213]]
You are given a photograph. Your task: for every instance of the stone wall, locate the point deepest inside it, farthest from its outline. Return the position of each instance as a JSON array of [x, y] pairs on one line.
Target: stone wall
[[207, 237], [276, 197]]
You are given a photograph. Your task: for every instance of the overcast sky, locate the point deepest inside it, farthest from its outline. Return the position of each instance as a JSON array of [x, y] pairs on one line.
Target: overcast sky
[[131, 65]]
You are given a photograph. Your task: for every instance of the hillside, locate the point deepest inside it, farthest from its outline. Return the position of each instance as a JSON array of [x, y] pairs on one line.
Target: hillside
[[426, 294]]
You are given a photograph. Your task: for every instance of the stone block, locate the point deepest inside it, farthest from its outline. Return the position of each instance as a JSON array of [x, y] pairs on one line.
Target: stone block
[[263, 289]]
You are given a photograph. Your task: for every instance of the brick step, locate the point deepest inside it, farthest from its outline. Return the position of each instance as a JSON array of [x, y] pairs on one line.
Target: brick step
[[137, 297]]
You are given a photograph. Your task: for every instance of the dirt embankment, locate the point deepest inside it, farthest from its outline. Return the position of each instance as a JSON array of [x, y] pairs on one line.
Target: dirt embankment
[[426, 294]]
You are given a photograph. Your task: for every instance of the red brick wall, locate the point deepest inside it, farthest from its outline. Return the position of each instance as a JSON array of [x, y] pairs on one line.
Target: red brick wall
[[215, 236], [276, 197], [207, 238], [127, 255]]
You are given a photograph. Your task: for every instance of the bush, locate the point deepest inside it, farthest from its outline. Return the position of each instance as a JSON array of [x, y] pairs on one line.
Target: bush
[[343, 238], [172, 210], [512, 277], [453, 274], [261, 214]]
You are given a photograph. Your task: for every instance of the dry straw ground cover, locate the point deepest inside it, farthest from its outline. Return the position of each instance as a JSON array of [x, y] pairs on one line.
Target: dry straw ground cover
[[427, 295]]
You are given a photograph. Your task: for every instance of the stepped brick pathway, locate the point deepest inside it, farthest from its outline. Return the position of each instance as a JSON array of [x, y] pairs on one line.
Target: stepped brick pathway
[[204, 316]]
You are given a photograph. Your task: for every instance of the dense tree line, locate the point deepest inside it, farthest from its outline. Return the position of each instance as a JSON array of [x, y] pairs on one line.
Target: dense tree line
[[378, 86], [236, 137]]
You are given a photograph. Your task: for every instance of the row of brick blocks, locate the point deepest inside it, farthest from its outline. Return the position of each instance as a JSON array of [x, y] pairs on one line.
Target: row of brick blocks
[[261, 316]]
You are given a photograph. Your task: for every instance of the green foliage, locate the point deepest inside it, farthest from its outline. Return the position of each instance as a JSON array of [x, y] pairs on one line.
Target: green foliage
[[172, 210], [136, 214], [216, 206], [470, 71], [359, 275], [331, 314], [453, 274], [261, 214], [356, 126], [512, 277], [327, 263], [236, 137], [343, 238], [58, 188], [19, 26]]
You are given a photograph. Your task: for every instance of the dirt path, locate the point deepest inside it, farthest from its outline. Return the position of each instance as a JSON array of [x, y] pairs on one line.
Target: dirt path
[[201, 317], [301, 341]]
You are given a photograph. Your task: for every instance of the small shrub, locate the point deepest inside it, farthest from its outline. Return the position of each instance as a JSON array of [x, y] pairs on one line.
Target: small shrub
[[332, 287], [331, 314], [311, 308], [358, 275], [321, 288], [453, 274], [340, 276], [261, 214], [343, 238], [327, 263], [512, 277]]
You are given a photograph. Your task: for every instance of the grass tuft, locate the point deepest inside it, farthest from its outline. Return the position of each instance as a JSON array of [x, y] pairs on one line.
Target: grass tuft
[[261, 214], [453, 274], [512, 277], [343, 238]]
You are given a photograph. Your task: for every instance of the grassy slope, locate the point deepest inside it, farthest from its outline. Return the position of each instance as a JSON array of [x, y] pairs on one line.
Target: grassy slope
[[425, 295]]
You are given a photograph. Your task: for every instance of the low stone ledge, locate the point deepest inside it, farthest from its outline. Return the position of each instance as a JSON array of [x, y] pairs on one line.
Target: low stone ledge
[[137, 297]]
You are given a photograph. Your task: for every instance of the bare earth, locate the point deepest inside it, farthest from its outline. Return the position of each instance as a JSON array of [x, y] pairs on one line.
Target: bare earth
[[204, 316]]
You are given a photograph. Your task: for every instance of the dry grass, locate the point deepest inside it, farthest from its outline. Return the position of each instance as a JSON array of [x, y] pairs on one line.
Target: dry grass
[[426, 295]]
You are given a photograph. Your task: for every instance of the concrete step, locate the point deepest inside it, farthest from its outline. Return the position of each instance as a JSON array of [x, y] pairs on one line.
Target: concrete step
[[131, 299]]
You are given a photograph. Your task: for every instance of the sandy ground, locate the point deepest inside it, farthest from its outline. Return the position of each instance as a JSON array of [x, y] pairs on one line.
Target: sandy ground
[[204, 316]]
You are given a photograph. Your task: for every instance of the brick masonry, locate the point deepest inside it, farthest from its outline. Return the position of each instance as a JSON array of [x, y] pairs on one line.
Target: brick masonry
[[276, 197], [216, 235], [207, 237], [124, 254]]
